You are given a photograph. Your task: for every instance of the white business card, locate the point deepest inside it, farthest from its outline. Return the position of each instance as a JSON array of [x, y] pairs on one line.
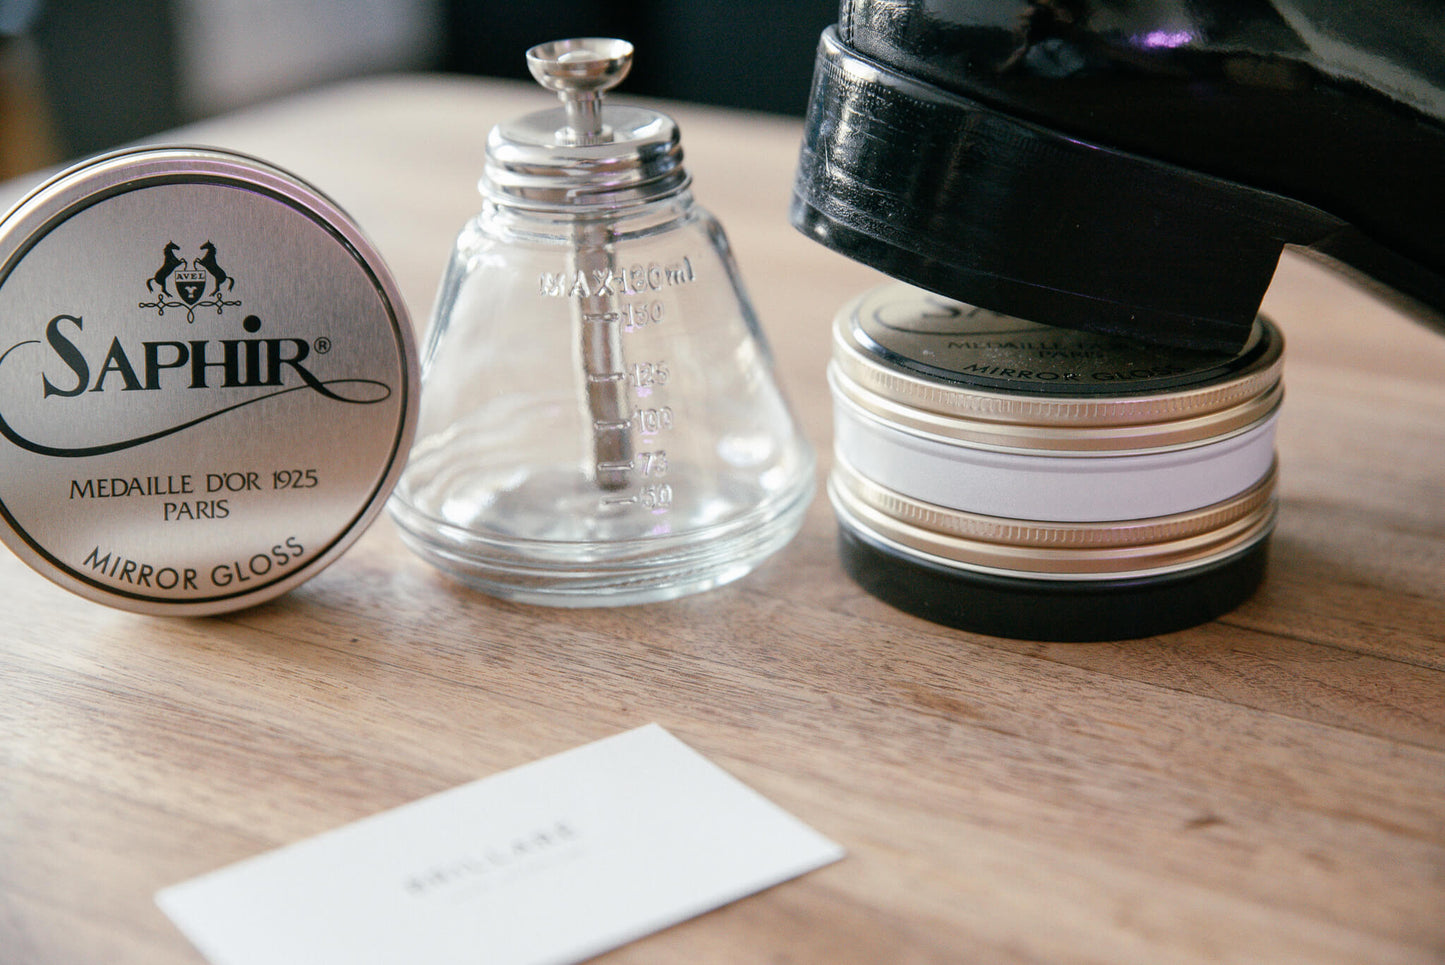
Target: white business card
[[553, 861]]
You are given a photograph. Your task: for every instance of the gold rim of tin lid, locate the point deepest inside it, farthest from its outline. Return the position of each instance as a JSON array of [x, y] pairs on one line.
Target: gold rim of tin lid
[[1014, 436], [1055, 549], [1236, 397]]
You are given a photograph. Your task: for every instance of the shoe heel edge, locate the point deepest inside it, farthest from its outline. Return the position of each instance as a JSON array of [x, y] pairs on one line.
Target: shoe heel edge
[[952, 195]]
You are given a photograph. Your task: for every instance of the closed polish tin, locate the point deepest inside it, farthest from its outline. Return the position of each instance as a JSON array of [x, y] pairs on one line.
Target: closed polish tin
[[1024, 480], [208, 380]]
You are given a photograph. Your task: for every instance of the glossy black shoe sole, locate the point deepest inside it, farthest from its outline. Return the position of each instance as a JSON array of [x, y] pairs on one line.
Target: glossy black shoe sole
[[948, 194]]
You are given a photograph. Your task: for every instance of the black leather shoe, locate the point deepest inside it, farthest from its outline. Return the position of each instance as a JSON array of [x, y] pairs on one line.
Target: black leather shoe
[[1131, 166]]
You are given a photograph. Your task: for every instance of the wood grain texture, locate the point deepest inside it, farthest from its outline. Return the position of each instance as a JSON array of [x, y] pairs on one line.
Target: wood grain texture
[[1266, 788]]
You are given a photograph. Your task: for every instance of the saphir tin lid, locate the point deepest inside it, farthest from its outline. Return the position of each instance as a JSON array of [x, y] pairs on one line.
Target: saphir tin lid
[[208, 380]]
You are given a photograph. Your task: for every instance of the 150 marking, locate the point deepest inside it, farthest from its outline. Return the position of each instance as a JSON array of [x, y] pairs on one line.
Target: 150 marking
[[636, 317]]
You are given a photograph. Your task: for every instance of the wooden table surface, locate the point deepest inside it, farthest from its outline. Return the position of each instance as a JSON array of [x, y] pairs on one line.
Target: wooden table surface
[[1266, 788]]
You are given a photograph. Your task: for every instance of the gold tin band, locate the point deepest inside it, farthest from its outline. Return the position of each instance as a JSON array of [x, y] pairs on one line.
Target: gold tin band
[[1055, 550], [974, 430]]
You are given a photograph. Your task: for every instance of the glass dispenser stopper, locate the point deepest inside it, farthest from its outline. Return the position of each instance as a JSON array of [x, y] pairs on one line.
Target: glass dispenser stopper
[[600, 423]]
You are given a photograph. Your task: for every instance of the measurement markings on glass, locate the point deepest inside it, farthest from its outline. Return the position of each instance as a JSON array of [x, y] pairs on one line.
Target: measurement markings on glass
[[646, 380]]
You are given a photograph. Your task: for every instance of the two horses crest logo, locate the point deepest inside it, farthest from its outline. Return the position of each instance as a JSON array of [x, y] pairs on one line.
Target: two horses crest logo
[[182, 283]]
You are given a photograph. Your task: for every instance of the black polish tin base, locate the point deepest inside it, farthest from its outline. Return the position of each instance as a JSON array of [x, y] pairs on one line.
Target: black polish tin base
[[1054, 610]]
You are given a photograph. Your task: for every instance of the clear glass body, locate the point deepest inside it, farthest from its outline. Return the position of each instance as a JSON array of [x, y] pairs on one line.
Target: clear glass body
[[600, 423]]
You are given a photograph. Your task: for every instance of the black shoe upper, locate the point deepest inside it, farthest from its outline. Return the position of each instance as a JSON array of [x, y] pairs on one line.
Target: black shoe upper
[[1340, 105]]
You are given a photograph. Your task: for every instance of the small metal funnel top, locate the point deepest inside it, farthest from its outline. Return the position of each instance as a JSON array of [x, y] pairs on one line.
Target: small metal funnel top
[[583, 156], [579, 70]]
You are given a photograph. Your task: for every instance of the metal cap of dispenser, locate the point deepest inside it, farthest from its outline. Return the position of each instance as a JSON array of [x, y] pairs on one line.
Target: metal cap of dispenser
[[583, 155]]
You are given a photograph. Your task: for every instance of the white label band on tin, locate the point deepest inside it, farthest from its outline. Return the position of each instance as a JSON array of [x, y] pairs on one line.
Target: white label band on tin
[[1063, 488]]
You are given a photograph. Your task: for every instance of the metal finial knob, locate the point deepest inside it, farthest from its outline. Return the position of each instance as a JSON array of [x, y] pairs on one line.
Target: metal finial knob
[[579, 71]]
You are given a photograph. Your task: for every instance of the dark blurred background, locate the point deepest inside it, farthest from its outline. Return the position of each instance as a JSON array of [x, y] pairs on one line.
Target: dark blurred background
[[80, 76]]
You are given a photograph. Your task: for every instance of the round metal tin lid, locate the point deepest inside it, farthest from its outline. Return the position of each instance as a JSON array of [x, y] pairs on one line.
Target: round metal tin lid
[[963, 369], [208, 381]]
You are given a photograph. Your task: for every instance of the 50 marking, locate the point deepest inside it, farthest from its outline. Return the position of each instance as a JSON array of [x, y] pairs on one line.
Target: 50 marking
[[655, 497]]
